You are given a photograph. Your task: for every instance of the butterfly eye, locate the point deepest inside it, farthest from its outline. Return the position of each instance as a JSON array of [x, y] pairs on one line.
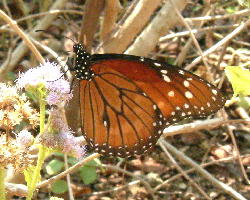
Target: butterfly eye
[[126, 101]]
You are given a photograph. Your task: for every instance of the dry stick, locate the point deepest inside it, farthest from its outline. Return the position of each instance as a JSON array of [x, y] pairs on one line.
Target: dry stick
[[196, 30], [69, 170], [26, 39], [191, 34], [181, 156], [217, 35], [51, 12], [90, 20], [128, 29], [111, 11], [158, 27], [229, 37], [206, 18], [171, 179], [115, 189], [184, 50], [237, 153], [173, 161], [22, 49], [70, 191], [21, 190], [198, 125], [145, 183]]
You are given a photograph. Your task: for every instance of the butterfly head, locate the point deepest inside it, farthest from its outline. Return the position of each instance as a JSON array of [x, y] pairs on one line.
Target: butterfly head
[[82, 63]]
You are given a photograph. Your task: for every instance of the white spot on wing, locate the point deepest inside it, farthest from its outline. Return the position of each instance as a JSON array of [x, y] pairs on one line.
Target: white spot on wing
[[166, 78], [164, 71], [214, 92], [171, 93], [157, 64], [188, 94], [186, 83]]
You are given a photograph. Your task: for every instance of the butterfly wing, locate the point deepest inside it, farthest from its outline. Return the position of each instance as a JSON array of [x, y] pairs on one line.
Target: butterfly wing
[[130, 100]]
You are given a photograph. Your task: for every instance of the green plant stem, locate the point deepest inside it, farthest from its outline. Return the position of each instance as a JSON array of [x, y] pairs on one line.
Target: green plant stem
[[41, 154], [42, 115], [2, 186]]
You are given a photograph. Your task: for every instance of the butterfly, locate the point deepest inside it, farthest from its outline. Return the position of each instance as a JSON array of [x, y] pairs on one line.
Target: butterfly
[[126, 101]]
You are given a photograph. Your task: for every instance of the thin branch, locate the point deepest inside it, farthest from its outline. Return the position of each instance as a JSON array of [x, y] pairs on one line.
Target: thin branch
[[22, 49], [169, 180], [136, 19], [145, 183], [196, 30], [183, 158], [181, 170], [111, 11], [227, 38], [25, 38], [198, 125], [51, 12], [158, 27], [208, 18], [68, 171]]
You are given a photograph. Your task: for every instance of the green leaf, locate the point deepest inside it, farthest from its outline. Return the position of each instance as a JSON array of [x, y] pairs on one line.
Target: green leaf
[[72, 160], [11, 76], [244, 102], [231, 9], [54, 166], [59, 187], [88, 172], [29, 173], [240, 80]]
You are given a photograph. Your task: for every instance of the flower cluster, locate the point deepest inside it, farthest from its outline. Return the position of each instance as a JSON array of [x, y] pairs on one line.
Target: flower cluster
[[15, 108], [48, 77], [12, 152], [64, 142]]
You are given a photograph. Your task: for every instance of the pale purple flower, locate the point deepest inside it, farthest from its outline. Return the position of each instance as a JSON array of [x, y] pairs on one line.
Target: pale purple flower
[[57, 120], [64, 142], [24, 138], [49, 76]]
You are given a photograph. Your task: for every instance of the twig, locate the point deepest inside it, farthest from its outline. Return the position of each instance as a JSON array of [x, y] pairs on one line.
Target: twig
[[115, 189], [192, 169], [137, 16], [70, 191], [26, 39], [157, 28], [90, 20], [21, 50], [160, 142], [217, 35], [111, 11], [206, 18], [229, 37], [181, 156], [237, 153], [198, 125], [196, 30], [51, 12], [68, 171], [145, 183]]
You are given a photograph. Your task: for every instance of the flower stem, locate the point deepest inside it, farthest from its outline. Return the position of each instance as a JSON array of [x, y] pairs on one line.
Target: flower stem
[[2, 186], [42, 115], [36, 175], [41, 154]]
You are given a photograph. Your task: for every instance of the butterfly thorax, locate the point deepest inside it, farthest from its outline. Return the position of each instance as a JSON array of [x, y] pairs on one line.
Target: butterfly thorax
[[82, 63]]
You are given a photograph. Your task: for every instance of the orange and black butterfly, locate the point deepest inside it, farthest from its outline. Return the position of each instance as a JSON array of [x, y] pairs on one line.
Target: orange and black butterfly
[[126, 101]]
